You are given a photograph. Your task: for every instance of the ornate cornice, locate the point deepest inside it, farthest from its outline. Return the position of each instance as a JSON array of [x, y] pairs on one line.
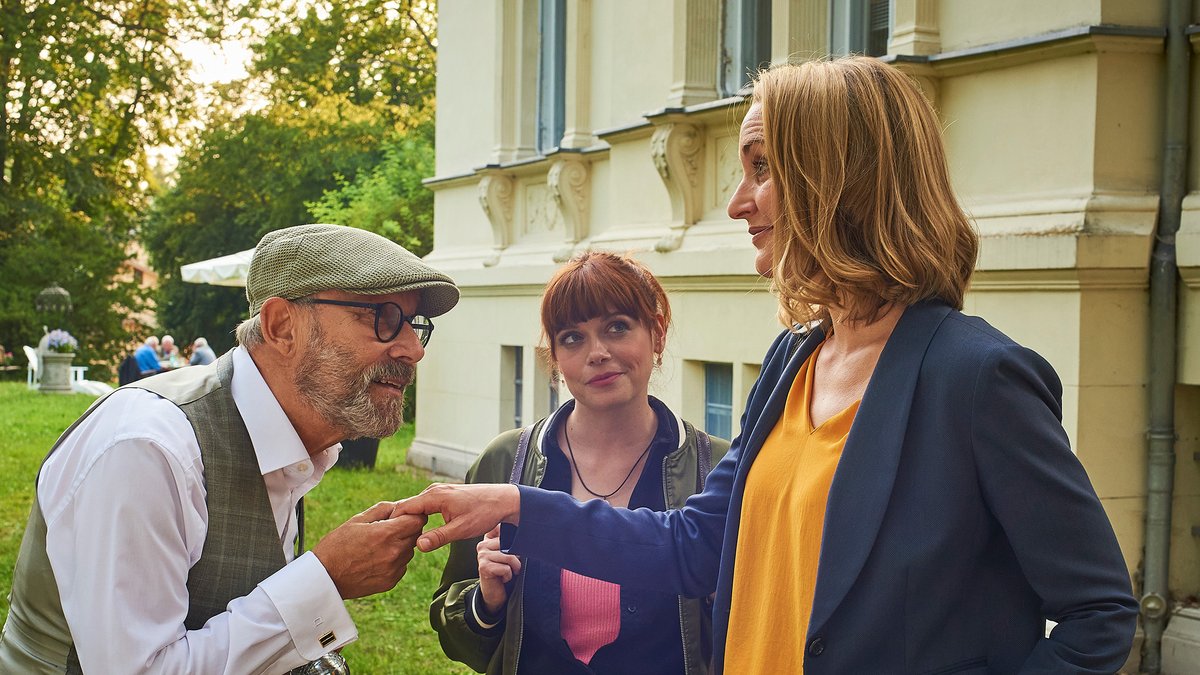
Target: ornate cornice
[[677, 149], [568, 183], [496, 199]]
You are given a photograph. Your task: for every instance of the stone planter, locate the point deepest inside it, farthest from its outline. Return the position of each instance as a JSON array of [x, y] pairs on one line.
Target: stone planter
[[56, 373]]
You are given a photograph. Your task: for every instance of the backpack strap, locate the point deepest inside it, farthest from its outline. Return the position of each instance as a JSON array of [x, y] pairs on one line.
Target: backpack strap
[[522, 450], [703, 459]]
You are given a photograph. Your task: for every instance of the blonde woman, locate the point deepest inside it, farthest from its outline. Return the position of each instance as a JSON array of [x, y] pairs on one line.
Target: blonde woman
[[903, 497]]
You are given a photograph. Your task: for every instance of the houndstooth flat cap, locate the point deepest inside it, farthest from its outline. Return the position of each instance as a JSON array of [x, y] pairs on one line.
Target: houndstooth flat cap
[[298, 261]]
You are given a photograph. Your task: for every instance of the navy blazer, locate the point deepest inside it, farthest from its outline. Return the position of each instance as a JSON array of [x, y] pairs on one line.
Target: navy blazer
[[958, 518]]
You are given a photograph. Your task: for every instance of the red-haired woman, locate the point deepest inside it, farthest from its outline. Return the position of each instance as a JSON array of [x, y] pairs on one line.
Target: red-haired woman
[[605, 319]]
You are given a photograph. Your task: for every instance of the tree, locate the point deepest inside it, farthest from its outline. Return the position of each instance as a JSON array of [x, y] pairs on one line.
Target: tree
[[389, 199], [247, 176], [333, 124], [85, 88], [372, 51]]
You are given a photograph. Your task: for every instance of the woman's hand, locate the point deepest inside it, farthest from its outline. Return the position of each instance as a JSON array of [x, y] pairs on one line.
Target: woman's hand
[[495, 570], [469, 510]]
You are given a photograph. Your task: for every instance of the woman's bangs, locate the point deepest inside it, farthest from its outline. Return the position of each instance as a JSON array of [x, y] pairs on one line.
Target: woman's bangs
[[591, 291]]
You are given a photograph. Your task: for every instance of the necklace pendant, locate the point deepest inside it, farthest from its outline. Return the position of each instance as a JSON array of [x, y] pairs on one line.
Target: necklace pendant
[[575, 467]]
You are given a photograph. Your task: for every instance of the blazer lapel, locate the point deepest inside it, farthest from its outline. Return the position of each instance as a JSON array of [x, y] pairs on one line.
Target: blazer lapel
[[753, 435], [773, 408], [862, 484]]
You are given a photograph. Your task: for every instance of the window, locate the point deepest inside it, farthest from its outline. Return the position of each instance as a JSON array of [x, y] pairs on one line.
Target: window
[[718, 399], [745, 43], [518, 382], [512, 384], [552, 74], [860, 26]]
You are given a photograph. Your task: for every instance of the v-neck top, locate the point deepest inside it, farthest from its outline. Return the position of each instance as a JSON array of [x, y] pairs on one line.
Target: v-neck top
[[779, 542]]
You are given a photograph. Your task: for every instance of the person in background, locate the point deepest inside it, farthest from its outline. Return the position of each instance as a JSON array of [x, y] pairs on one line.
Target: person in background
[[128, 369], [163, 537], [605, 320], [147, 357], [202, 354], [169, 357], [903, 496]]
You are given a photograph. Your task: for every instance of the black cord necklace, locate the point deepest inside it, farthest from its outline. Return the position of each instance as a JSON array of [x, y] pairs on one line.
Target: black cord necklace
[[575, 466]]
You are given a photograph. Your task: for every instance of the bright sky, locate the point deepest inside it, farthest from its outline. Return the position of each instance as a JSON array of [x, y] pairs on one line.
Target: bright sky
[[214, 63], [211, 63], [223, 62]]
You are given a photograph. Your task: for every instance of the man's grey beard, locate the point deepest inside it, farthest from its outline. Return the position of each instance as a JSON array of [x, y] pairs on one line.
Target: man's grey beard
[[343, 398]]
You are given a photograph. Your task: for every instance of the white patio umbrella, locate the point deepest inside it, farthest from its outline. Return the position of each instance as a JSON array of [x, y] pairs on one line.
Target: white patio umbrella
[[228, 270]]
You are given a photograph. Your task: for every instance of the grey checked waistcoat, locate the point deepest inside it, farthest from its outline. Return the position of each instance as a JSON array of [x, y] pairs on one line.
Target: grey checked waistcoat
[[241, 547]]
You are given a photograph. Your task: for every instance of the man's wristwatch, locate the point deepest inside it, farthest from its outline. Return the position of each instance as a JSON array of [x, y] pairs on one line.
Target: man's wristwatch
[[330, 664]]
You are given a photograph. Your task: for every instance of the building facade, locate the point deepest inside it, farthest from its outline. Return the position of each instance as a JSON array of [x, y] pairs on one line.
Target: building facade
[[565, 125]]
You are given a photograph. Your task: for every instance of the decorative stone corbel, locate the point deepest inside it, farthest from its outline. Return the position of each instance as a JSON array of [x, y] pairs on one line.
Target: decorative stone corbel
[[496, 198], [677, 149], [569, 187]]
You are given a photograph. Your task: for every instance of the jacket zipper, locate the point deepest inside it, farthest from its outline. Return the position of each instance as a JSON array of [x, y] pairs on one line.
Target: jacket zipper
[[687, 664], [529, 457]]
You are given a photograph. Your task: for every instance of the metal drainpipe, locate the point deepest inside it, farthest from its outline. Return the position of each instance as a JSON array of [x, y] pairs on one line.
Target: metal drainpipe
[[1160, 464]]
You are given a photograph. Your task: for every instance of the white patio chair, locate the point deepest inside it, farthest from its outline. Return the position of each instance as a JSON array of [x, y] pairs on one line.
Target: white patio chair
[[33, 372]]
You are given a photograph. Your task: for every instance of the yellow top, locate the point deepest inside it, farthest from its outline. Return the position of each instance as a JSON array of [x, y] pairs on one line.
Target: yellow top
[[779, 540]]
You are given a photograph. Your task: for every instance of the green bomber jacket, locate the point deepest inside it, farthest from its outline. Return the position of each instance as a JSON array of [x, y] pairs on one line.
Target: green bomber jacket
[[499, 654]]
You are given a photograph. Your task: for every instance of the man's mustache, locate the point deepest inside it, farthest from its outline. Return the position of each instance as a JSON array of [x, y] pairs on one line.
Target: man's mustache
[[401, 373]]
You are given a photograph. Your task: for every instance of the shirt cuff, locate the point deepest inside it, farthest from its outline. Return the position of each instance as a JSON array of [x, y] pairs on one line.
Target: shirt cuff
[[480, 619], [310, 606]]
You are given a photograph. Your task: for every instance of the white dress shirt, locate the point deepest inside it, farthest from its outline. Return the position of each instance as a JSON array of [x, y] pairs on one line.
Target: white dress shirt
[[123, 499]]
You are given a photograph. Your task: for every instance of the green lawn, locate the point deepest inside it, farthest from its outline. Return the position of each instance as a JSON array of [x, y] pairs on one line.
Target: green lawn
[[394, 633]]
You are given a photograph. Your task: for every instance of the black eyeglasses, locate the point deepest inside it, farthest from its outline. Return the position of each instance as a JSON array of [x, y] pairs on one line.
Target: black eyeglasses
[[389, 319]]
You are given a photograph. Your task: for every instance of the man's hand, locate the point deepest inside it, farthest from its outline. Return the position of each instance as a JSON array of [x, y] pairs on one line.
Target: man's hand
[[495, 570], [469, 510], [369, 553]]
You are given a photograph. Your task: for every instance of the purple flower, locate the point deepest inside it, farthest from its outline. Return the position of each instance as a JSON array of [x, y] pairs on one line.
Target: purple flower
[[61, 341]]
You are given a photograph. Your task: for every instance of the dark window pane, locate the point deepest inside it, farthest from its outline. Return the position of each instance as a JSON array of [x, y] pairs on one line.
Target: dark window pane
[[718, 399], [745, 43], [518, 369], [552, 73], [877, 28]]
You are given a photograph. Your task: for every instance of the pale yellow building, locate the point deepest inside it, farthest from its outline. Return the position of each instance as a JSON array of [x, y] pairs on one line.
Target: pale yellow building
[[565, 125]]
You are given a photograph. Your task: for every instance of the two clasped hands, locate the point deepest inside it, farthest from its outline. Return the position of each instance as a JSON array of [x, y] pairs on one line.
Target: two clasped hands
[[469, 511]]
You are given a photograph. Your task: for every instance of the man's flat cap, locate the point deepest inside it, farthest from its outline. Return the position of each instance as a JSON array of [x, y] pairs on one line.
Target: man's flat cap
[[298, 261]]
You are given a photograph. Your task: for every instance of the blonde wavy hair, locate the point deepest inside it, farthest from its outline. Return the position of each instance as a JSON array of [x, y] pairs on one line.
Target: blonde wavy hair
[[866, 212]]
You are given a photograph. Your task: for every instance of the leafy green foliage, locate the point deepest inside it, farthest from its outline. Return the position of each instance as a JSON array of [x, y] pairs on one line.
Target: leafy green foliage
[[82, 259], [333, 125], [85, 89], [373, 51], [389, 199], [248, 175]]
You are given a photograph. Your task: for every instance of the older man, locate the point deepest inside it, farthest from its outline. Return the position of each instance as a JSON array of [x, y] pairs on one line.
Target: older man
[[161, 539], [147, 357], [202, 354]]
